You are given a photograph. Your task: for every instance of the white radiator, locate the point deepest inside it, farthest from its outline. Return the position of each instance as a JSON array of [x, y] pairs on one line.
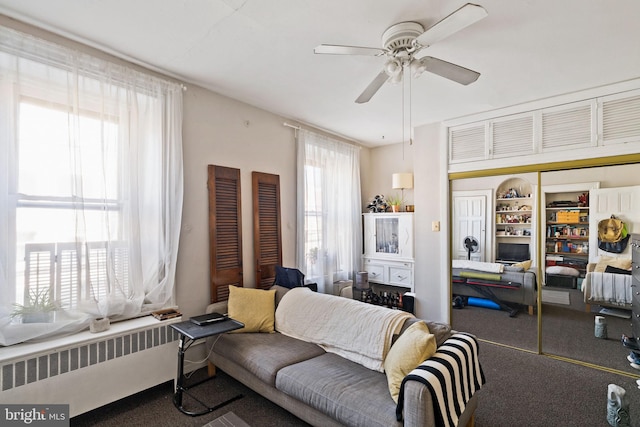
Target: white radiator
[[94, 370]]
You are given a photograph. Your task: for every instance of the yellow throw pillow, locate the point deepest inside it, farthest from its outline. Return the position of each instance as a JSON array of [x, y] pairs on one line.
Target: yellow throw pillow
[[412, 348], [524, 264], [255, 308], [604, 261]]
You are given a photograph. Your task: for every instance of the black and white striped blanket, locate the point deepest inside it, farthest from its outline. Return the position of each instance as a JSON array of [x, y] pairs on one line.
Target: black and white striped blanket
[[453, 374]]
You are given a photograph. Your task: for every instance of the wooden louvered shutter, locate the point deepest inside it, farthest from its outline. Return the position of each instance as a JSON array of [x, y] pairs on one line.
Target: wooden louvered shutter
[[267, 236], [225, 231]]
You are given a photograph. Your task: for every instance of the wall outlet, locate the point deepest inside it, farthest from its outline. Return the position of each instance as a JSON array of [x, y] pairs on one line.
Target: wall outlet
[[435, 225]]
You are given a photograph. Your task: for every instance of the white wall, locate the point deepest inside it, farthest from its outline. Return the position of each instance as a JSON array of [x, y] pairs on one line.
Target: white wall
[[221, 131], [385, 161]]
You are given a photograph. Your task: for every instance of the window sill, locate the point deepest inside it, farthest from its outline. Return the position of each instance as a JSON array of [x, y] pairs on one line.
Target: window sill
[[20, 351]]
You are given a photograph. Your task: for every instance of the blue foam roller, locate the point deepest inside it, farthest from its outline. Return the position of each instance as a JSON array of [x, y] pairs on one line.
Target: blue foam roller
[[481, 302]]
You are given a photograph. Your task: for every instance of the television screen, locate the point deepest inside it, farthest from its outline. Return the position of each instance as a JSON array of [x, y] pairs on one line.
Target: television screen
[[513, 252]]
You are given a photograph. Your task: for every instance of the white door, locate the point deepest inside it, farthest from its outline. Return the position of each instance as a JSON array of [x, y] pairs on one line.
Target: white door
[[624, 203], [470, 224]]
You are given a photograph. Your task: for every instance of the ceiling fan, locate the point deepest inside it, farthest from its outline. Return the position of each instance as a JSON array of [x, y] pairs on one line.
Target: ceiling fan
[[400, 44]]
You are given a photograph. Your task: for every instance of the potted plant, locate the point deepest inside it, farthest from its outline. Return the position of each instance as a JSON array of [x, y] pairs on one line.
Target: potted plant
[[38, 309], [395, 202]]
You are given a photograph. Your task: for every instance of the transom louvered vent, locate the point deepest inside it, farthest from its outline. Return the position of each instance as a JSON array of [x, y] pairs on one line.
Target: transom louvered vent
[[467, 143], [621, 120], [513, 137], [566, 128]]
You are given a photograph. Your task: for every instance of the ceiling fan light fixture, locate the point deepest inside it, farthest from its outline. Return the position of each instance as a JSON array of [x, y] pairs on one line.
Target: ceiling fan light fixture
[[417, 68], [393, 67]]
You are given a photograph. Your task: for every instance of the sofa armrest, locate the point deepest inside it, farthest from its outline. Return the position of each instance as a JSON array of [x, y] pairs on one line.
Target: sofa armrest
[[418, 406], [217, 307]]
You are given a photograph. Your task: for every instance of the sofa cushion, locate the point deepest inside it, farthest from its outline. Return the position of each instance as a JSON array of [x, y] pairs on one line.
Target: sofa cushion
[[413, 347], [263, 354], [254, 307], [344, 390]]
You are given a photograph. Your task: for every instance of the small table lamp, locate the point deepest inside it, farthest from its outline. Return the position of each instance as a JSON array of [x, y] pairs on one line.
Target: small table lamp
[[400, 181]]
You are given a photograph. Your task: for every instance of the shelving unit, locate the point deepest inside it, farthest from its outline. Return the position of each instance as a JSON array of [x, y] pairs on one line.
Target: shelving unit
[[567, 233], [514, 215]]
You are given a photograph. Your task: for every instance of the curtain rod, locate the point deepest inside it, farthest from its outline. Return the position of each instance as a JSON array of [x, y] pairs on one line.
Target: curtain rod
[[291, 126], [344, 138]]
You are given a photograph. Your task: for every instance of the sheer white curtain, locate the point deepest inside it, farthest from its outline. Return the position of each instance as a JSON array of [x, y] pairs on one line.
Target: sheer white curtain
[[329, 209], [91, 187]]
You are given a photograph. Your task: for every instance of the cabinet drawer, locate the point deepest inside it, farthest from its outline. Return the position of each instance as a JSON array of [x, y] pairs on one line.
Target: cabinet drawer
[[376, 272], [400, 276]]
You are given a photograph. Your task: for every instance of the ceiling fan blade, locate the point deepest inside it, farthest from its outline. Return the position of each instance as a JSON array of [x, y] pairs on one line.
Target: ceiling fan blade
[[332, 49], [449, 71], [373, 87], [456, 21]]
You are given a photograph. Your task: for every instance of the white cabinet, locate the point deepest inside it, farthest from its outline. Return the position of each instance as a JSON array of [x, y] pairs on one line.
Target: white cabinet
[[388, 248]]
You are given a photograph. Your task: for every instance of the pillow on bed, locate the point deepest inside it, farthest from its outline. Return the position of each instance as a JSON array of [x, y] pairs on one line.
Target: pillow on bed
[[604, 261], [525, 265], [255, 308], [564, 271], [413, 347], [612, 269]]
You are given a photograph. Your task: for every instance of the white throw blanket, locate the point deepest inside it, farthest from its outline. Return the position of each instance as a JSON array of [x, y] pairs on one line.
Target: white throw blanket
[[610, 288], [489, 267], [354, 330]]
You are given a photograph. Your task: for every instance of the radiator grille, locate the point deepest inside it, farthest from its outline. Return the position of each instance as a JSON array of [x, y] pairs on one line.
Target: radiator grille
[[39, 367]]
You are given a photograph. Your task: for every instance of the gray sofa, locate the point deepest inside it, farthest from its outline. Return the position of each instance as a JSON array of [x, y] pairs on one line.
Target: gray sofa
[[320, 387], [516, 286]]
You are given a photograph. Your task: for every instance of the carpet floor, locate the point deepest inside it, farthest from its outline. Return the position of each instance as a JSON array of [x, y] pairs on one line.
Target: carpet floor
[[522, 388]]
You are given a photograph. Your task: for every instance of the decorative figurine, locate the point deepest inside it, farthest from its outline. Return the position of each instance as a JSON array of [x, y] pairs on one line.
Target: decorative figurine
[[378, 204]]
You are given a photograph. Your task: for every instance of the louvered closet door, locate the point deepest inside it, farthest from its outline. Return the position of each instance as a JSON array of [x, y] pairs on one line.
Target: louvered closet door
[[225, 231], [267, 236]]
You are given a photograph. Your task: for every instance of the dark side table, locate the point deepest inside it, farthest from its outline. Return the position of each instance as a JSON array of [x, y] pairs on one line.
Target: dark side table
[[190, 333]]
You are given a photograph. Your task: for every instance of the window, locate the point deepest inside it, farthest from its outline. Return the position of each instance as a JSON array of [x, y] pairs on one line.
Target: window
[[90, 186], [48, 221], [329, 209]]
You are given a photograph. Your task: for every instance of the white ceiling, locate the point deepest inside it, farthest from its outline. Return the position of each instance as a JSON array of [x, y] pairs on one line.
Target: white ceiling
[[261, 52]]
